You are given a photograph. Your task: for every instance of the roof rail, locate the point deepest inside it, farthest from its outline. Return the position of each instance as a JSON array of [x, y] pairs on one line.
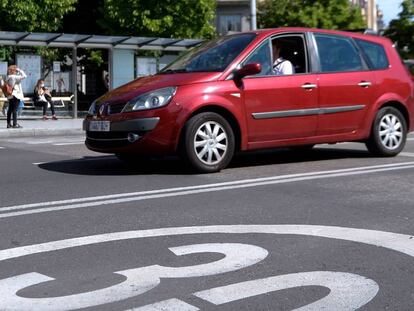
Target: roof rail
[[366, 31]]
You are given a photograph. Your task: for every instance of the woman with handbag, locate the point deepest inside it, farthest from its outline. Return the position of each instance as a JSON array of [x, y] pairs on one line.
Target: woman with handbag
[[14, 79]]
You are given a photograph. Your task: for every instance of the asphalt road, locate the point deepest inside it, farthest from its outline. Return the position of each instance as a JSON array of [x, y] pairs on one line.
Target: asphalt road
[[330, 229]]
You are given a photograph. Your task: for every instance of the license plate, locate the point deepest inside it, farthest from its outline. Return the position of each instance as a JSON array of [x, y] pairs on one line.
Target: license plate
[[99, 126]]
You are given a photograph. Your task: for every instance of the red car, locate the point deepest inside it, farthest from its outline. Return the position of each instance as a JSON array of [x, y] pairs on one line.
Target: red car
[[228, 95]]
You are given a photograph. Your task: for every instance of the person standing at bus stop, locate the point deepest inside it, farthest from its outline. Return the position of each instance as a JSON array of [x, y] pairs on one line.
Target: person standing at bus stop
[[14, 78]]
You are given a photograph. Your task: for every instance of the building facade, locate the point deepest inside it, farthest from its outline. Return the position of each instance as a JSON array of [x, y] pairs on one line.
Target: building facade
[[373, 15], [232, 15]]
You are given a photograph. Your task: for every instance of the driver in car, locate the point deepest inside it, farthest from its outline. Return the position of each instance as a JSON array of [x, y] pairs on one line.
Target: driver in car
[[281, 66]]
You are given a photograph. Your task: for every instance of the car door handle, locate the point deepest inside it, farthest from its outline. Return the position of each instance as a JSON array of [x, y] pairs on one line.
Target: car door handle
[[309, 86], [364, 84]]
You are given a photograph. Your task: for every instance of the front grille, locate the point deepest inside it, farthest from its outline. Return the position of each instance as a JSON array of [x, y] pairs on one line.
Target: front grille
[[107, 144], [115, 108], [106, 135]]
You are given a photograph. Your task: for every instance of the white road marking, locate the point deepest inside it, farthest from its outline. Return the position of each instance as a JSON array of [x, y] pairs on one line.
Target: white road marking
[[39, 163], [394, 241], [407, 154], [410, 139], [72, 143], [348, 291], [138, 280], [52, 141], [2, 147], [24, 209], [170, 305], [39, 142]]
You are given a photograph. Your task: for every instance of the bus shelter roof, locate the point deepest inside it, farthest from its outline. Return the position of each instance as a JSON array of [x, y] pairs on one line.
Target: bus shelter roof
[[64, 40]]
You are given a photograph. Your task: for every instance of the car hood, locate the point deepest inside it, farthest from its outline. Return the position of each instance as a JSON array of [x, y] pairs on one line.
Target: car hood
[[142, 85]]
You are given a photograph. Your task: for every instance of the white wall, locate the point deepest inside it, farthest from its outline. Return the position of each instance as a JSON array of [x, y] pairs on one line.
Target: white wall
[[123, 67]]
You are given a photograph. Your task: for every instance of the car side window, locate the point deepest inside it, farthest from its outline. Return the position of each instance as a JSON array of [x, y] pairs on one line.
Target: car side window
[[375, 54], [262, 56], [337, 54]]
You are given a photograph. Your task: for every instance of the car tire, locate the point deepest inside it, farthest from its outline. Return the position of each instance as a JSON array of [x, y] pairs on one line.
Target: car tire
[[208, 142], [388, 133]]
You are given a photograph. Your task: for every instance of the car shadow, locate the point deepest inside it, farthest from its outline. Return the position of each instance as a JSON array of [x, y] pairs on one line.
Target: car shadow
[[286, 156], [111, 166]]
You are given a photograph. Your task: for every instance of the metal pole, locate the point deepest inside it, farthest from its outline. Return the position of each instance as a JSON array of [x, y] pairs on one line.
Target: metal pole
[[75, 81], [111, 68], [253, 22]]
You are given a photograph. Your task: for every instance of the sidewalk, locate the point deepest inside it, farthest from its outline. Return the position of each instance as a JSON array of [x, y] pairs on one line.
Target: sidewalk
[[35, 126]]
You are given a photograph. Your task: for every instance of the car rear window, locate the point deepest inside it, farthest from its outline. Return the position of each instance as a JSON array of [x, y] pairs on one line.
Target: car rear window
[[337, 54], [375, 53]]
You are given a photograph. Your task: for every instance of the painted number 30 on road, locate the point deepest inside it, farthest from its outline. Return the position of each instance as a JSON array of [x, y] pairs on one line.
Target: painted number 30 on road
[[347, 291]]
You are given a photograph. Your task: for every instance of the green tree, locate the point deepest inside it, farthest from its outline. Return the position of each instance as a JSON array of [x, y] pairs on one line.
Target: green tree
[[328, 14], [33, 15], [167, 18], [401, 30]]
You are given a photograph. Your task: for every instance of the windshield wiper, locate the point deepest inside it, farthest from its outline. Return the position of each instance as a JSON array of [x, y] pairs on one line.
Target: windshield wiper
[[168, 71]]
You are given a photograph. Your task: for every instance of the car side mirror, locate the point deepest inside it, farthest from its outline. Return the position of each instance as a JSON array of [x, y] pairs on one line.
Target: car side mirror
[[248, 70]]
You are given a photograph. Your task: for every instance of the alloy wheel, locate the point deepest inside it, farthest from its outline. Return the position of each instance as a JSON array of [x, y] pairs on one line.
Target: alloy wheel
[[210, 143], [390, 131]]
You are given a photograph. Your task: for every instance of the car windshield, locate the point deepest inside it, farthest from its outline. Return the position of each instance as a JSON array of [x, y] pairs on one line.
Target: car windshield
[[214, 55]]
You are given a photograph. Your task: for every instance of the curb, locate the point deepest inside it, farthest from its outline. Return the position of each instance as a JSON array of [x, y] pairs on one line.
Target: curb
[[7, 133]]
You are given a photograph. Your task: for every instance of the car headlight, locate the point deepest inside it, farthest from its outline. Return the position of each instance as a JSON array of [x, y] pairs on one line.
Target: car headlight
[[92, 109], [151, 100]]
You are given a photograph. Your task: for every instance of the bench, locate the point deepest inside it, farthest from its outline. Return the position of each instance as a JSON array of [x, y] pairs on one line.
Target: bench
[[58, 100]]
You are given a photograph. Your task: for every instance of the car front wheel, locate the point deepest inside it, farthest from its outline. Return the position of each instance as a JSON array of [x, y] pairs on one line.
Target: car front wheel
[[208, 142], [388, 134]]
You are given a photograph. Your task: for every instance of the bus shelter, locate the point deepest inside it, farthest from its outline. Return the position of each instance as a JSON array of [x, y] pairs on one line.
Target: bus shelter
[[121, 51]]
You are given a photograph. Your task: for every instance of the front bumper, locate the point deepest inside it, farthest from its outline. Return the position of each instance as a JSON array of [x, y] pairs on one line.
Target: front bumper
[[121, 136], [143, 124]]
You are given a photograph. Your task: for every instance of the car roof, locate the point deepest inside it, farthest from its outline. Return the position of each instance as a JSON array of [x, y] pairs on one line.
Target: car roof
[[358, 35]]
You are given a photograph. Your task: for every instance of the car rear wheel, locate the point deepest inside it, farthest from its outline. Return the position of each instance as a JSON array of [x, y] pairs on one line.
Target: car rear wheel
[[208, 142], [388, 134]]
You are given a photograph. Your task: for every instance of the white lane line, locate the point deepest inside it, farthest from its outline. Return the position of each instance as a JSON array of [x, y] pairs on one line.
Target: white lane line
[[186, 188], [2, 147], [40, 142], [55, 141], [77, 159], [39, 163], [183, 191], [70, 143], [410, 139], [407, 154]]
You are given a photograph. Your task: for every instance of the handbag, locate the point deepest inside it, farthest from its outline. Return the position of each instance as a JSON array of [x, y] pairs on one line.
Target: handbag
[[7, 89]]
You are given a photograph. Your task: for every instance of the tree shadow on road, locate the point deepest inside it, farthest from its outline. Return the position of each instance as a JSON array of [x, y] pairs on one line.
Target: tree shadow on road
[[111, 166]]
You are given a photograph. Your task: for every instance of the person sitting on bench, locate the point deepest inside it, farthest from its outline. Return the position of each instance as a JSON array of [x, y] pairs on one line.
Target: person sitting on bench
[[42, 96]]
